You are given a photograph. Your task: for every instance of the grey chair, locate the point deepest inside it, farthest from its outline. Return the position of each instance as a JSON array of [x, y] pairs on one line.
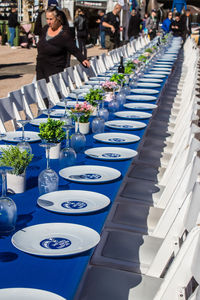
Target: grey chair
[[7, 115]]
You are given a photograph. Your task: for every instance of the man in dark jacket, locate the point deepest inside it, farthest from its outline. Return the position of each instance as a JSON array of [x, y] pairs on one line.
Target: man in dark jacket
[[186, 20], [12, 24], [81, 25], [134, 25], [177, 26], [112, 25]]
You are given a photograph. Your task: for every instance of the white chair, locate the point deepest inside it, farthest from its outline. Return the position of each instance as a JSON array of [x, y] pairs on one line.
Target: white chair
[[7, 115], [33, 99], [107, 283]]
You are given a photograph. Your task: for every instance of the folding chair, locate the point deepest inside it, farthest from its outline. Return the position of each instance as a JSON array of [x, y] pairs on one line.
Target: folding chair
[[106, 283]]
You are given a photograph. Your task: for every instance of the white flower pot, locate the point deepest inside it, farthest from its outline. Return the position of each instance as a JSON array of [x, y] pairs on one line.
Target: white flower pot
[[16, 183], [54, 152], [109, 96], [84, 128]]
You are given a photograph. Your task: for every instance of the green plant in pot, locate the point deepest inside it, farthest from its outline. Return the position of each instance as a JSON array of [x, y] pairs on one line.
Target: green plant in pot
[[118, 78], [19, 161], [93, 96], [52, 132]]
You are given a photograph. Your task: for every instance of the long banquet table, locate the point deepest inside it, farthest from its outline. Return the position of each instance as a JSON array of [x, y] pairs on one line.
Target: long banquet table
[[59, 275]]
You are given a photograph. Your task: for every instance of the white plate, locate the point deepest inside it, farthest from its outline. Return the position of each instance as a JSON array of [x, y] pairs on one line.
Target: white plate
[[154, 76], [151, 80], [110, 153], [144, 91], [80, 96], [95, 82], [161, 69], [125, 125], [140, 106], [16, 136], [160, 72], [99, 78], [148, 84], [89, 174], [37, 122], [133, 115], [55, 239], [116, 138], [28, 294], [167, 59], [140, 98], [162, 66], [81, 90], [73, 201], [57, 113], [70, 104]]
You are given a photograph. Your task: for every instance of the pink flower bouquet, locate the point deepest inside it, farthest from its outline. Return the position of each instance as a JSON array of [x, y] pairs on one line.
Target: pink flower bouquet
[[84, 108]]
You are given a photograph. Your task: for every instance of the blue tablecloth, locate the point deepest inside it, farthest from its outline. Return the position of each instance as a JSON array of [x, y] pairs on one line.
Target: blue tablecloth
[[58, 275]]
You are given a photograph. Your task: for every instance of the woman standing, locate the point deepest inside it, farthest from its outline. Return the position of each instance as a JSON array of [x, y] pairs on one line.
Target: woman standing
[[54, 44]]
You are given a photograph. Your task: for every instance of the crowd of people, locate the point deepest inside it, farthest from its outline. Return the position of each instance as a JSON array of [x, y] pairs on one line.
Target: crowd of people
[[58, 36]]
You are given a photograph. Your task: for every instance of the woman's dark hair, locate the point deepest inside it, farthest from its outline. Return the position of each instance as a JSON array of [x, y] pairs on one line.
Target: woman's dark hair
[[59, 14]]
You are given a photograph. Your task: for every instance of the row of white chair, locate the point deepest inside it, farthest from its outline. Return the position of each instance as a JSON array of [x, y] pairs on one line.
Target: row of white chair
[[149, 246]]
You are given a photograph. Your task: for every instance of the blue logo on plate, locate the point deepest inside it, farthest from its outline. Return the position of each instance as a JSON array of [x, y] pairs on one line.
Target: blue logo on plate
[[55, 243], [126, 126], [21, 139], [111, 155], [74, 204], [117, 140], [86, 176]]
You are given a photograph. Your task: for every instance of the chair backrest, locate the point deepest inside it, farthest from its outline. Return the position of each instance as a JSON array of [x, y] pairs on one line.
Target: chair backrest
[[184, 269], [33, 99], [185, 219], [55, 80], [7, 115], [42, 89], [16, 98], [187, 155]]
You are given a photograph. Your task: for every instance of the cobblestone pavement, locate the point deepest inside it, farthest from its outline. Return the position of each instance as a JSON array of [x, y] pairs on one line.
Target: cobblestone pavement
[[17, 67]]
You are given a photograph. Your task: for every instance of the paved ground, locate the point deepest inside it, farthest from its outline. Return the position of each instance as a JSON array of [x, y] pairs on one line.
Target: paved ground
[[17, 67]]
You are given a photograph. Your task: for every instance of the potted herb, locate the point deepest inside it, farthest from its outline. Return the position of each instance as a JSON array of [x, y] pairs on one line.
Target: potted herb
[[18, 160], [93, 96], [86, 110], [149, 50], [129, 67], [118, 78], [52, 132]]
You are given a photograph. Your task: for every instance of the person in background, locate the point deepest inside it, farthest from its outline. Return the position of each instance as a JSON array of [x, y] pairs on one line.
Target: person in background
[[12, 24], [112, 28], [144, 29], [41, 18], [186, 20], [152, 24], [0, 36], [134, 25], [81, 25], [101, 28], [166, 25], [177, 26], [54, 44], [72, 32]]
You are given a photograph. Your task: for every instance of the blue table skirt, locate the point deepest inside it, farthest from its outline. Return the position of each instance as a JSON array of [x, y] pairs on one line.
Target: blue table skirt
[[57, 275]]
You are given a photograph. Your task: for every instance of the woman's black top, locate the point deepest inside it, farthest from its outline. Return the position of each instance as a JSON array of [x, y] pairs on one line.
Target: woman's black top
[[52, 53]]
